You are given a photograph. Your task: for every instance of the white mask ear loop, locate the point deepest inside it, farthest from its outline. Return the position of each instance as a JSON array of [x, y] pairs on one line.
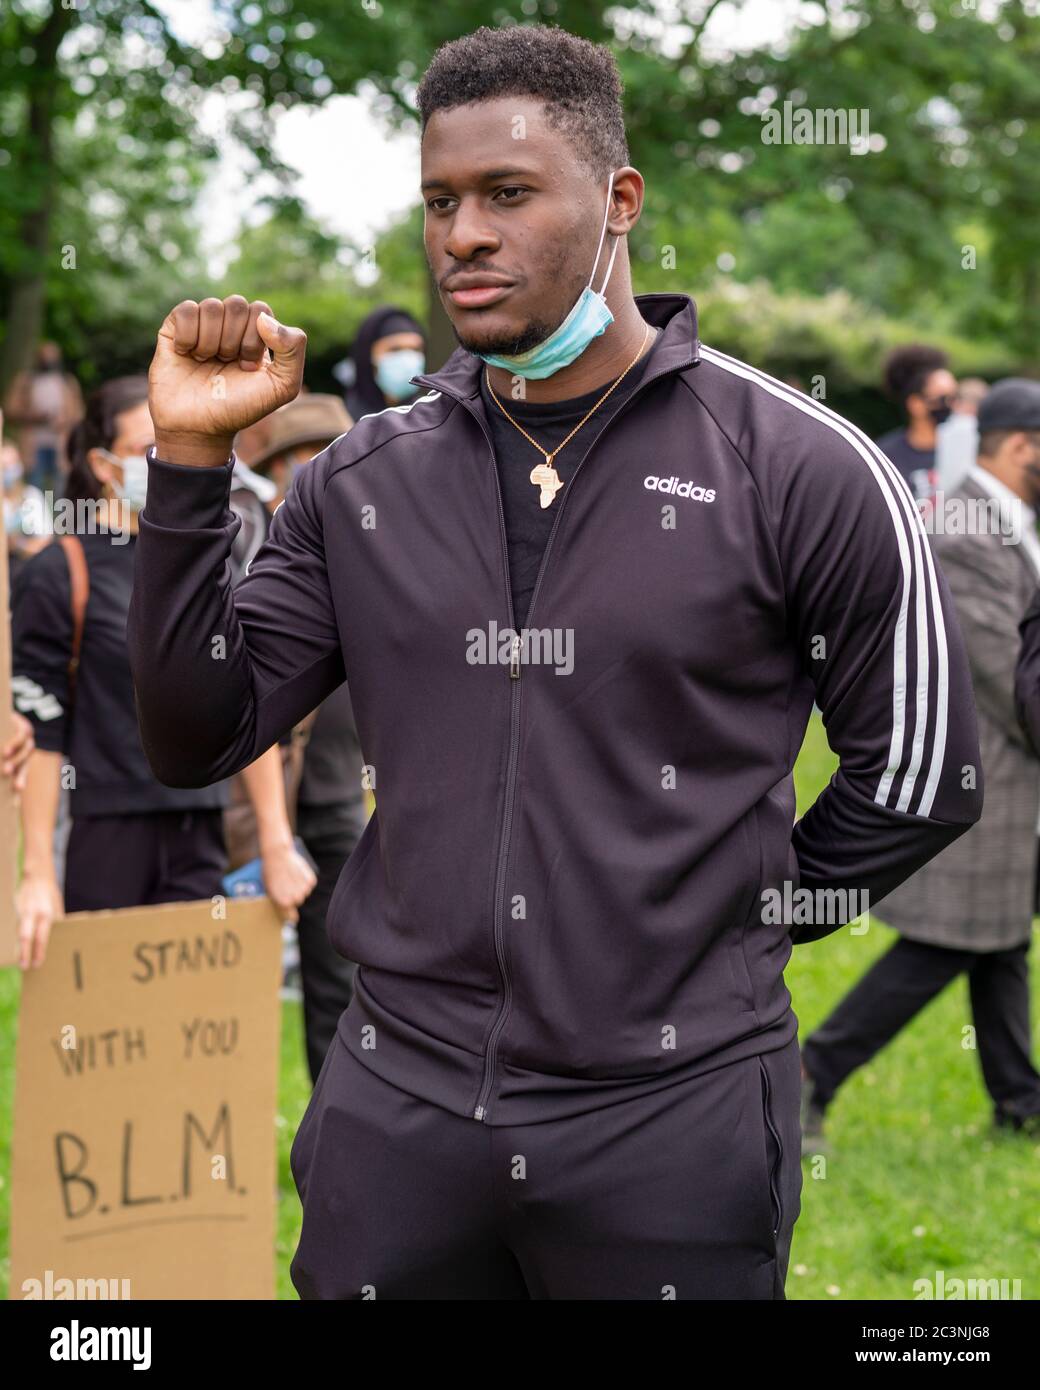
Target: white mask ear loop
[[617, 240]]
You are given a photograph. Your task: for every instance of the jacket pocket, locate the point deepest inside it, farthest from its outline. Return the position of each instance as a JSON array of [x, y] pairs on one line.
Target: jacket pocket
[[774, 1150]]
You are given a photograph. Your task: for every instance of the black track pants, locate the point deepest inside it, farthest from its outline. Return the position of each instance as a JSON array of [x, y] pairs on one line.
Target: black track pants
[[691, 1192], [898, 986], [145, 858]]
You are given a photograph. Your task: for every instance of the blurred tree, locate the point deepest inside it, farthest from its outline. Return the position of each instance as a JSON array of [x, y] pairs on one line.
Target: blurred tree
[[313, 279], [929, 219], [102, 155], [926, 218], [100, 167], [829, 345]]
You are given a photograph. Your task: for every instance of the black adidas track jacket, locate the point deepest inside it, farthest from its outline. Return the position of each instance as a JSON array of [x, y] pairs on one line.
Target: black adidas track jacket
[[561, 894]]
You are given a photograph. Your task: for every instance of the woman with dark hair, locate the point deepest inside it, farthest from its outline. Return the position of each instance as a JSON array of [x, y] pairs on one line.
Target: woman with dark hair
[[919, 379], [388, 350], [133, 841]]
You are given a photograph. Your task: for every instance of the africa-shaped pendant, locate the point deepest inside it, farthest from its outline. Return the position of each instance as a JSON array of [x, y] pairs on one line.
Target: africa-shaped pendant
[[546, 478]]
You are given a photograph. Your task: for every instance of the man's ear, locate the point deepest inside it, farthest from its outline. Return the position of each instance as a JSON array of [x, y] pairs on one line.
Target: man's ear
[[1018, 444], [626, 200]]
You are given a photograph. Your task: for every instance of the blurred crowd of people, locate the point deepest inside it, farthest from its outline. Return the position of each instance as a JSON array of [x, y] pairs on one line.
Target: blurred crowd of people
[[100, 831], [971, 457]]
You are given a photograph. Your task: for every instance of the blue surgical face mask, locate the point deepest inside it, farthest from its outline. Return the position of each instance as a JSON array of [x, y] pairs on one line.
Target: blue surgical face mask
[[135, 479], [394, 372], [589, 317]]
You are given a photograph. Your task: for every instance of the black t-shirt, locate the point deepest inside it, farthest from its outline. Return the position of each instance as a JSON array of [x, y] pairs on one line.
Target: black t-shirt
[[528, 524], [915, 465], [98, 734]]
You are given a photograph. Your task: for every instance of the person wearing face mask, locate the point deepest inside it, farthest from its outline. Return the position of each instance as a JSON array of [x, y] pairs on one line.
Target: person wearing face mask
[[919, 379], [584, 589], [43, 404], [969, 910], [27, 520], [132, 841], [389, 349]]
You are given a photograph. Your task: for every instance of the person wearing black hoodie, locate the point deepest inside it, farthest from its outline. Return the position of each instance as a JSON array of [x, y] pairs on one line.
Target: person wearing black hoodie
[[389, 349]]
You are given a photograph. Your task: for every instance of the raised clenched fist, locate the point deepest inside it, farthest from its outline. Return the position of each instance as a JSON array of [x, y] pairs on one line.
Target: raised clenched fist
[[219, 366]]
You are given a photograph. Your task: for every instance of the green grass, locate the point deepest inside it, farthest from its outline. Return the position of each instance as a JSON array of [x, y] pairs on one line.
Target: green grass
[[914, 1181], [294, 1089]]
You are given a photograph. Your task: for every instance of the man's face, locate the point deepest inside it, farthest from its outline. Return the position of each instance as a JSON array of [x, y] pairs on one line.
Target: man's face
[[523, 214], [396, 342], [1026, 447]]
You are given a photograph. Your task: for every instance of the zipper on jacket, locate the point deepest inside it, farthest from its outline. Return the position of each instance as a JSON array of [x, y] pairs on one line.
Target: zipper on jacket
[[480, 1110]]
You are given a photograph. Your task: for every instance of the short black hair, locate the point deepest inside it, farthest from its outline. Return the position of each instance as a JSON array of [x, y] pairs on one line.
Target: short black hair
[[578, 80], [908, 368]]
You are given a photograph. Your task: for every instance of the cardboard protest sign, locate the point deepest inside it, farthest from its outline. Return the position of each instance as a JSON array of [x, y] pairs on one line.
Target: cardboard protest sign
[[145, 1094], [9, 826]]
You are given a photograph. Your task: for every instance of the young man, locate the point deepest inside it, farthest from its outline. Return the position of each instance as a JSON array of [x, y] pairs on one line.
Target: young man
[[970, 911], [918, 377], [570, 1066]]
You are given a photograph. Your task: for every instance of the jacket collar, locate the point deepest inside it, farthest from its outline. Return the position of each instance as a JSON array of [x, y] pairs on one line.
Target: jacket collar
[[677, 347]]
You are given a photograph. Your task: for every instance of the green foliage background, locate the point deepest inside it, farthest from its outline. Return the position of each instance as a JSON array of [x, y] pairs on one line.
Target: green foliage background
[[831, 257]]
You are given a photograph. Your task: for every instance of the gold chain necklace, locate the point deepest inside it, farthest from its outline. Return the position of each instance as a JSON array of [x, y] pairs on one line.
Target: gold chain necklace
[[544, 475]]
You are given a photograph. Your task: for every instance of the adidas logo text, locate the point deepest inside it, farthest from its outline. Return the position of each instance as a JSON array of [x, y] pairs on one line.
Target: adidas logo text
[[687, 489]]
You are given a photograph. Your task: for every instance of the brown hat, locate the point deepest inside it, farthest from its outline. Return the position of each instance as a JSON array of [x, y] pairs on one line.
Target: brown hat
[[310, 419]]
